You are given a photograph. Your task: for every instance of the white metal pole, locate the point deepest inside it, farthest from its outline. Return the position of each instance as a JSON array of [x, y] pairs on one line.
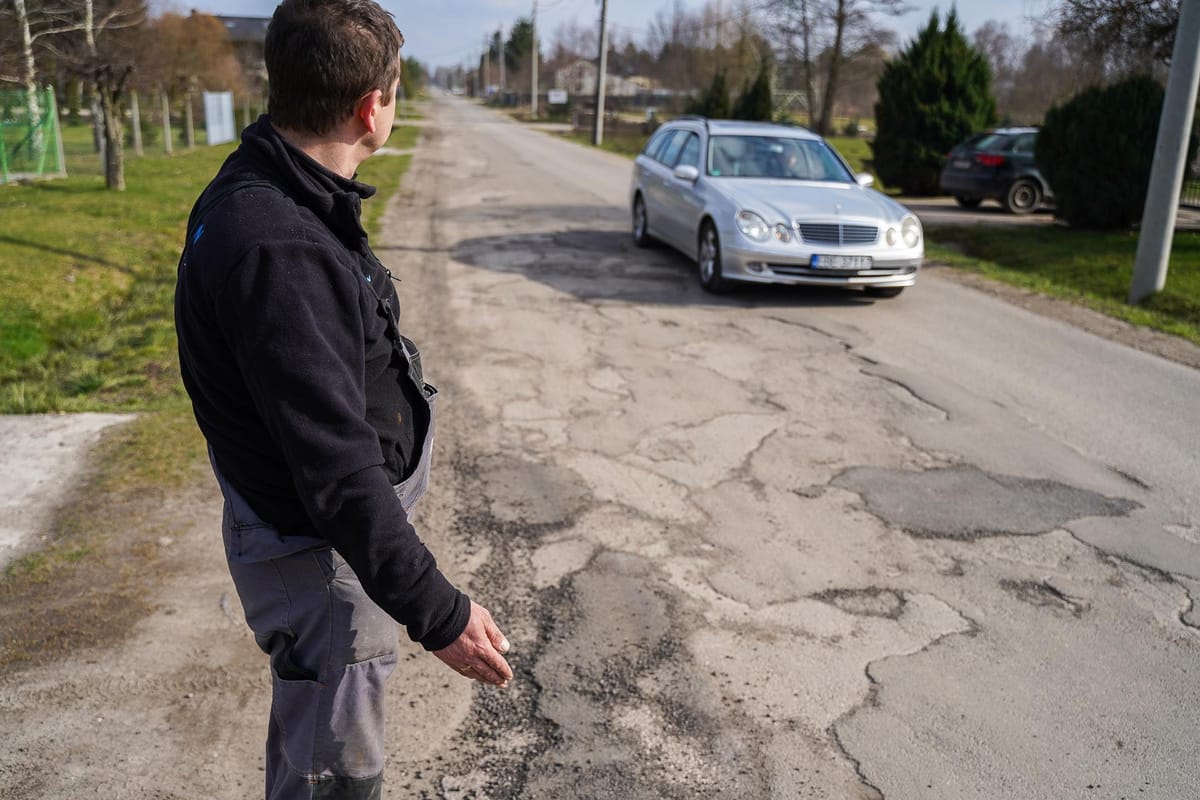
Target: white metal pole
[[135, 119], [1170, 158], [168, 145]]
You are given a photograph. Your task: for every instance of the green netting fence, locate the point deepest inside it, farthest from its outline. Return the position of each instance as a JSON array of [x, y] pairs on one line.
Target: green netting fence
[[30, 140]]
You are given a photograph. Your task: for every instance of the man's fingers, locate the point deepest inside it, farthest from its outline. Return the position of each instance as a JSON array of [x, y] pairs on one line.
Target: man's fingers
[[488, 674], [494, 635], [498, 639]]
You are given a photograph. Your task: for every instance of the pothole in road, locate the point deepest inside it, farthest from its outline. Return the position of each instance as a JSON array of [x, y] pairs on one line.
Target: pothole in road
[[965, 502], [870, 602], [531, 493], [1040, 593]]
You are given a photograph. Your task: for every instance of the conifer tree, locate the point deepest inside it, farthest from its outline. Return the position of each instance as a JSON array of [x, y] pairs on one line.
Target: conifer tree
[[714, 102], [1099, 161], [755, 101], [931, 97]]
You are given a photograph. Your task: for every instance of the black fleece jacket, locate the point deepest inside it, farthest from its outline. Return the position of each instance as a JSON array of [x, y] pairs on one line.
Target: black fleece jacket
[[288, 349]]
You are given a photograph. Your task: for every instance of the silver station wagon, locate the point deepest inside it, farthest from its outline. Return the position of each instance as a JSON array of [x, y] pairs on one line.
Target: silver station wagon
[[764, 203]]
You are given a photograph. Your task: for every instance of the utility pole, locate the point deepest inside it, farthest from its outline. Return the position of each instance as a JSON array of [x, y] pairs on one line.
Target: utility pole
[[1170, 158], [500, 39], [533, 57], [487, 63], [601, 77]]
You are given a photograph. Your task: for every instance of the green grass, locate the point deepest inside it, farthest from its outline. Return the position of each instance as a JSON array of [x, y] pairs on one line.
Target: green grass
[[402, 138], [1091, 268], [384, 173], [87, 278], [856, 151], [626, 144]]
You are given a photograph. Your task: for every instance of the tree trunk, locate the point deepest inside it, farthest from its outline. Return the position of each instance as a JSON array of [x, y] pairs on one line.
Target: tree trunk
[[835, 65], [110, 89], [32, 106]]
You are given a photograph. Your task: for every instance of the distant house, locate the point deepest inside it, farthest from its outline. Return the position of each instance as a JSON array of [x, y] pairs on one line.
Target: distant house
[[579, 79], [248, 35]]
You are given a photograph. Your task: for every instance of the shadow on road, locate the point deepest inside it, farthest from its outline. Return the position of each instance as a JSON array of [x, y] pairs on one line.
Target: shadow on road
[[588, 252]]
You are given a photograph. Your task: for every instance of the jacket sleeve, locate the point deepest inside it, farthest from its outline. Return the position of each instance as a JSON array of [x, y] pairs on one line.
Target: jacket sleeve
[[293, 316]]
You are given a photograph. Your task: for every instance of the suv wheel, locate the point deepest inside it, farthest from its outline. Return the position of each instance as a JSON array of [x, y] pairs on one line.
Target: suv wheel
[[708, 260], [1023, 197]]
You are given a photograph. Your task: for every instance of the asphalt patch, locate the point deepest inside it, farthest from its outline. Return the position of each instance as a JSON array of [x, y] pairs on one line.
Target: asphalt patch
[[965, 502], [870, 602]]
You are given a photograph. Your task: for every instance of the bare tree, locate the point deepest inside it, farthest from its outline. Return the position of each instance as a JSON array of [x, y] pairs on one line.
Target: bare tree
[[34, 24], [57, 26], [995, 40], [1131, 32], [850, 20], [798, 24]]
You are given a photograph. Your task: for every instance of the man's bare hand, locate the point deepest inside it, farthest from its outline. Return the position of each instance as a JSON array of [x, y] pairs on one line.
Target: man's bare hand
[[478, 652]]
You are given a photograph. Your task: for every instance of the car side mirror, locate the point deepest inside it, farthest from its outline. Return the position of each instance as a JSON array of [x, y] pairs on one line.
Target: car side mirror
[[686, 172], [865, 179]]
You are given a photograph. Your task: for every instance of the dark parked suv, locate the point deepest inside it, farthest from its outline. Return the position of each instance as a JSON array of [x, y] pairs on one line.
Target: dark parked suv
[[996, 165]]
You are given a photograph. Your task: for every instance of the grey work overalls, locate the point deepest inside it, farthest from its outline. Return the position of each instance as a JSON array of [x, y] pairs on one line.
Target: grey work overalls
[[331, 647]]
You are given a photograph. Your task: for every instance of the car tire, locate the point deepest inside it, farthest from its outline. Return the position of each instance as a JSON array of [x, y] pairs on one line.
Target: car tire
[[1024, 196], [641, 224], [708, 260], [968, 202], [884, 291]]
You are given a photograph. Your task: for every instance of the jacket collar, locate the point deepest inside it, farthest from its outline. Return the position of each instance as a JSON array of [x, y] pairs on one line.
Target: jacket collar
[[336, 200]]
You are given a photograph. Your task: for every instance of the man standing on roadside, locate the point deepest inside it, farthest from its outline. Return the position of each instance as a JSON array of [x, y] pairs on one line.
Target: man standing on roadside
[[318, 420]]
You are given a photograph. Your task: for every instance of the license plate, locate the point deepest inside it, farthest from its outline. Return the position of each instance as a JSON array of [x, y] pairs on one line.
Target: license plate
[[841, 262], [962, 163]]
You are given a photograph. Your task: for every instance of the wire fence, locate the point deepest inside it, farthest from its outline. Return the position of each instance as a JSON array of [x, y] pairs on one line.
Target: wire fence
[[30, 140], [1191, 184]]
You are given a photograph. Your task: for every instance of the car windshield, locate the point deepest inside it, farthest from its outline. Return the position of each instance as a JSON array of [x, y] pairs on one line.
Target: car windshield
[[780, 157]]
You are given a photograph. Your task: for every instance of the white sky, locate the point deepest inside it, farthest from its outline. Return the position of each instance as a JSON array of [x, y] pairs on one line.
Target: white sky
[[445, 32]]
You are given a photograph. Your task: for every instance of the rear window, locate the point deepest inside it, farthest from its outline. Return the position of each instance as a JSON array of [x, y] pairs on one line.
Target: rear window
[[994, 141]]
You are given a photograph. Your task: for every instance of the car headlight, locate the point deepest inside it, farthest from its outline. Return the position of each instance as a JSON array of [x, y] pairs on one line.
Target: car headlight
[[910, 231], [893, 236], [783, 233], [753, 226]]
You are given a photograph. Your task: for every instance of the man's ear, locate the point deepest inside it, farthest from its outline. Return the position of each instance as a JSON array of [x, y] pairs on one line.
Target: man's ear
[[367, 107]]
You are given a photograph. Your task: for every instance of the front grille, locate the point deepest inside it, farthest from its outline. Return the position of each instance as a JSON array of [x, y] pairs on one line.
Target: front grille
[[822, 233]]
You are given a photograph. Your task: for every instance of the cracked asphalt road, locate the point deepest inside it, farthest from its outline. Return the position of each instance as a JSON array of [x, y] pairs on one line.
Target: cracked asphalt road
[[788, 544], [793, 544]]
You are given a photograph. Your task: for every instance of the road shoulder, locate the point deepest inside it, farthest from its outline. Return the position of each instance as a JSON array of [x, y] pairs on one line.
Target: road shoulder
[[1163, 345]]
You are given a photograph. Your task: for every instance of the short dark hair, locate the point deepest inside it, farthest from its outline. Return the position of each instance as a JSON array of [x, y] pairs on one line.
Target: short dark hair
[[322, 55]]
